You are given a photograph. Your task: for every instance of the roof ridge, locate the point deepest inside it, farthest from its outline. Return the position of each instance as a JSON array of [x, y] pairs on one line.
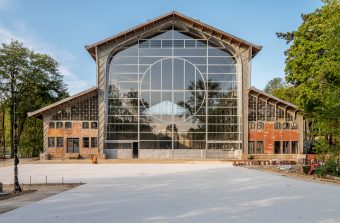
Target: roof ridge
[[163, 16]]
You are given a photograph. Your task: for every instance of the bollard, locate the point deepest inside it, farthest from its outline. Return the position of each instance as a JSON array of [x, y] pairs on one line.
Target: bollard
[[46, 180], [30, 180], [62, 180]]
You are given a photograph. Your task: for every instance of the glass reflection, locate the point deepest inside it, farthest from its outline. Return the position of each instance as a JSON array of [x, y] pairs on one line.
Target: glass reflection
[[172, 92]]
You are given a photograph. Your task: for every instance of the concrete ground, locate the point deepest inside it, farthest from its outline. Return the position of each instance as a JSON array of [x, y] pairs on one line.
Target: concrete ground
[[202, 192]]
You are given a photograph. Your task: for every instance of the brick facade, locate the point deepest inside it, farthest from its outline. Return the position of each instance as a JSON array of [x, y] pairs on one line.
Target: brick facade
[[75, 132]]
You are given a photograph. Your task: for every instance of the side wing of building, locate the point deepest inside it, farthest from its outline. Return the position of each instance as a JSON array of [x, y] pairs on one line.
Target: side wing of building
[[71, 126], [275, 128]]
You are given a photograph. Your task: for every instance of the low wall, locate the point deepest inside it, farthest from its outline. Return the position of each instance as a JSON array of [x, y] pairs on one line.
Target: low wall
[[275, 156], [185, 154], [118, 153]]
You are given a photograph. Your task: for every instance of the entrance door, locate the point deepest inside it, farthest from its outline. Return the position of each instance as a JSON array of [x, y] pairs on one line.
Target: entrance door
[[72, 145], [135, 149]]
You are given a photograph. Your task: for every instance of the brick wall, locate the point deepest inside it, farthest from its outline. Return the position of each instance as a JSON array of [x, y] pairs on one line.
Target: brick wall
[[75, 132], [269, 135]]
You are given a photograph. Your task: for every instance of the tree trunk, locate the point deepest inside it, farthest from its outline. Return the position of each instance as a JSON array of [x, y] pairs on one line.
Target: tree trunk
[[17, 187], [21, 126], [4, 132], [11, 129]]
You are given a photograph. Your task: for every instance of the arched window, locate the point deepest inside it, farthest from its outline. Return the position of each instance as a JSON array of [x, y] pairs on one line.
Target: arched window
[[173, 91]]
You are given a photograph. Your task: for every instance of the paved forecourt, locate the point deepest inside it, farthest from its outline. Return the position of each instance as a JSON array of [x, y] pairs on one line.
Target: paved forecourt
[[202, 192]]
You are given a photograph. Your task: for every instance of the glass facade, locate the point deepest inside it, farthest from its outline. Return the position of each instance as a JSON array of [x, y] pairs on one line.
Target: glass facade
[[173, 92]]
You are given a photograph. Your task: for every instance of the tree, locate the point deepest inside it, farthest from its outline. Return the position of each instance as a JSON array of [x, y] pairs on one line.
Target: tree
[[312, 68], [28, 81], [274, 85], [279, 88]]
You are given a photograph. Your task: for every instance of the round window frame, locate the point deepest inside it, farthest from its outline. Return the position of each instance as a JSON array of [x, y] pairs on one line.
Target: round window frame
[[195, 67]]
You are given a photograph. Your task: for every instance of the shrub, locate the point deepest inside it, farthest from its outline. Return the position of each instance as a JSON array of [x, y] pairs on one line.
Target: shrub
[[306, 169]]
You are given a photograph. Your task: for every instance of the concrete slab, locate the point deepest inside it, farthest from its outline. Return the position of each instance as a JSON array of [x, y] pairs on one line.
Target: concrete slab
[[176, 193]]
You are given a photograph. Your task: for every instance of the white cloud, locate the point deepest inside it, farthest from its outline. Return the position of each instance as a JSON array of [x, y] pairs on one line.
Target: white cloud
[[21, 33], [75, 83]]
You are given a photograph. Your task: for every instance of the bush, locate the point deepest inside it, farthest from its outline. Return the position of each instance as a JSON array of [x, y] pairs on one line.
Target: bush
[[331, 167], [306, 169], [328, 155]]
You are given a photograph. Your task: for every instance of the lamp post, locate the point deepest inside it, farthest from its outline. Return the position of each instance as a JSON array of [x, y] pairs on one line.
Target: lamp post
[[17, 187]]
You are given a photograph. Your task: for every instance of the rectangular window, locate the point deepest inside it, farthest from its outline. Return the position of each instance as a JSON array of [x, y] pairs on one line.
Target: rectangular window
[[277, 147], [51, 142], [86, 142], [280, 114], [94, 125], [260, 126], [85, 125], [286, 125], [252, 125], [259, 147], [51, 125], [277, 125], [72, 145], [294, 125], [59, 125], [295, 147], [251, 147], [285, 147], [94, 142], [60, 142], [68, 125]]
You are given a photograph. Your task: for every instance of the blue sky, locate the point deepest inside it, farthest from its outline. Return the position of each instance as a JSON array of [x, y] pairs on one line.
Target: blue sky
[[62, 28]]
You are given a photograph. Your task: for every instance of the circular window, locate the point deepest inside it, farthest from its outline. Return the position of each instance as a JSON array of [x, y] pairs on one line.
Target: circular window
[[172, 90]]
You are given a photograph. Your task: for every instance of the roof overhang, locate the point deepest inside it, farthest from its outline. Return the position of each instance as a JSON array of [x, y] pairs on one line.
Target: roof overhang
[[173, 15], [269, 96], [40, 111]]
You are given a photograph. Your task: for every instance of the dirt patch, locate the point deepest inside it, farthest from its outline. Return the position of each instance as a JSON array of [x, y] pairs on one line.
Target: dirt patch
[[30, 194], [295, 173]]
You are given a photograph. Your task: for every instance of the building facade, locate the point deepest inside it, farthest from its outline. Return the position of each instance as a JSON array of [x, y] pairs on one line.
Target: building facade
[[172, 88]]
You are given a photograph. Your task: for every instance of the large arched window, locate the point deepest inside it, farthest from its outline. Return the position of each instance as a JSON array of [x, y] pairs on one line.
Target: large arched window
[[173, 92]]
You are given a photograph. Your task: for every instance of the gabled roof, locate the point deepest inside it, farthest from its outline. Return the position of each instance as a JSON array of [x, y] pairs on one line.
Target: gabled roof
[[272, 97], [41, 110], [174, 16]]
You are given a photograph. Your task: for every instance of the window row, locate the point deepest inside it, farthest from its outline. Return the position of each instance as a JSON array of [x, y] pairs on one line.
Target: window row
[[86, 109], [255, 147], [68, 125], [177, 43], [261, 110], [277, 125], [58, 142], [286, 147], [280, 147]]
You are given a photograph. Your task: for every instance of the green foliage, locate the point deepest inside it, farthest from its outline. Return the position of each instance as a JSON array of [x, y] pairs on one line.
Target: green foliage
[[36, 81], [275, 84], [328, 155], [279, 88], [312, 68]]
